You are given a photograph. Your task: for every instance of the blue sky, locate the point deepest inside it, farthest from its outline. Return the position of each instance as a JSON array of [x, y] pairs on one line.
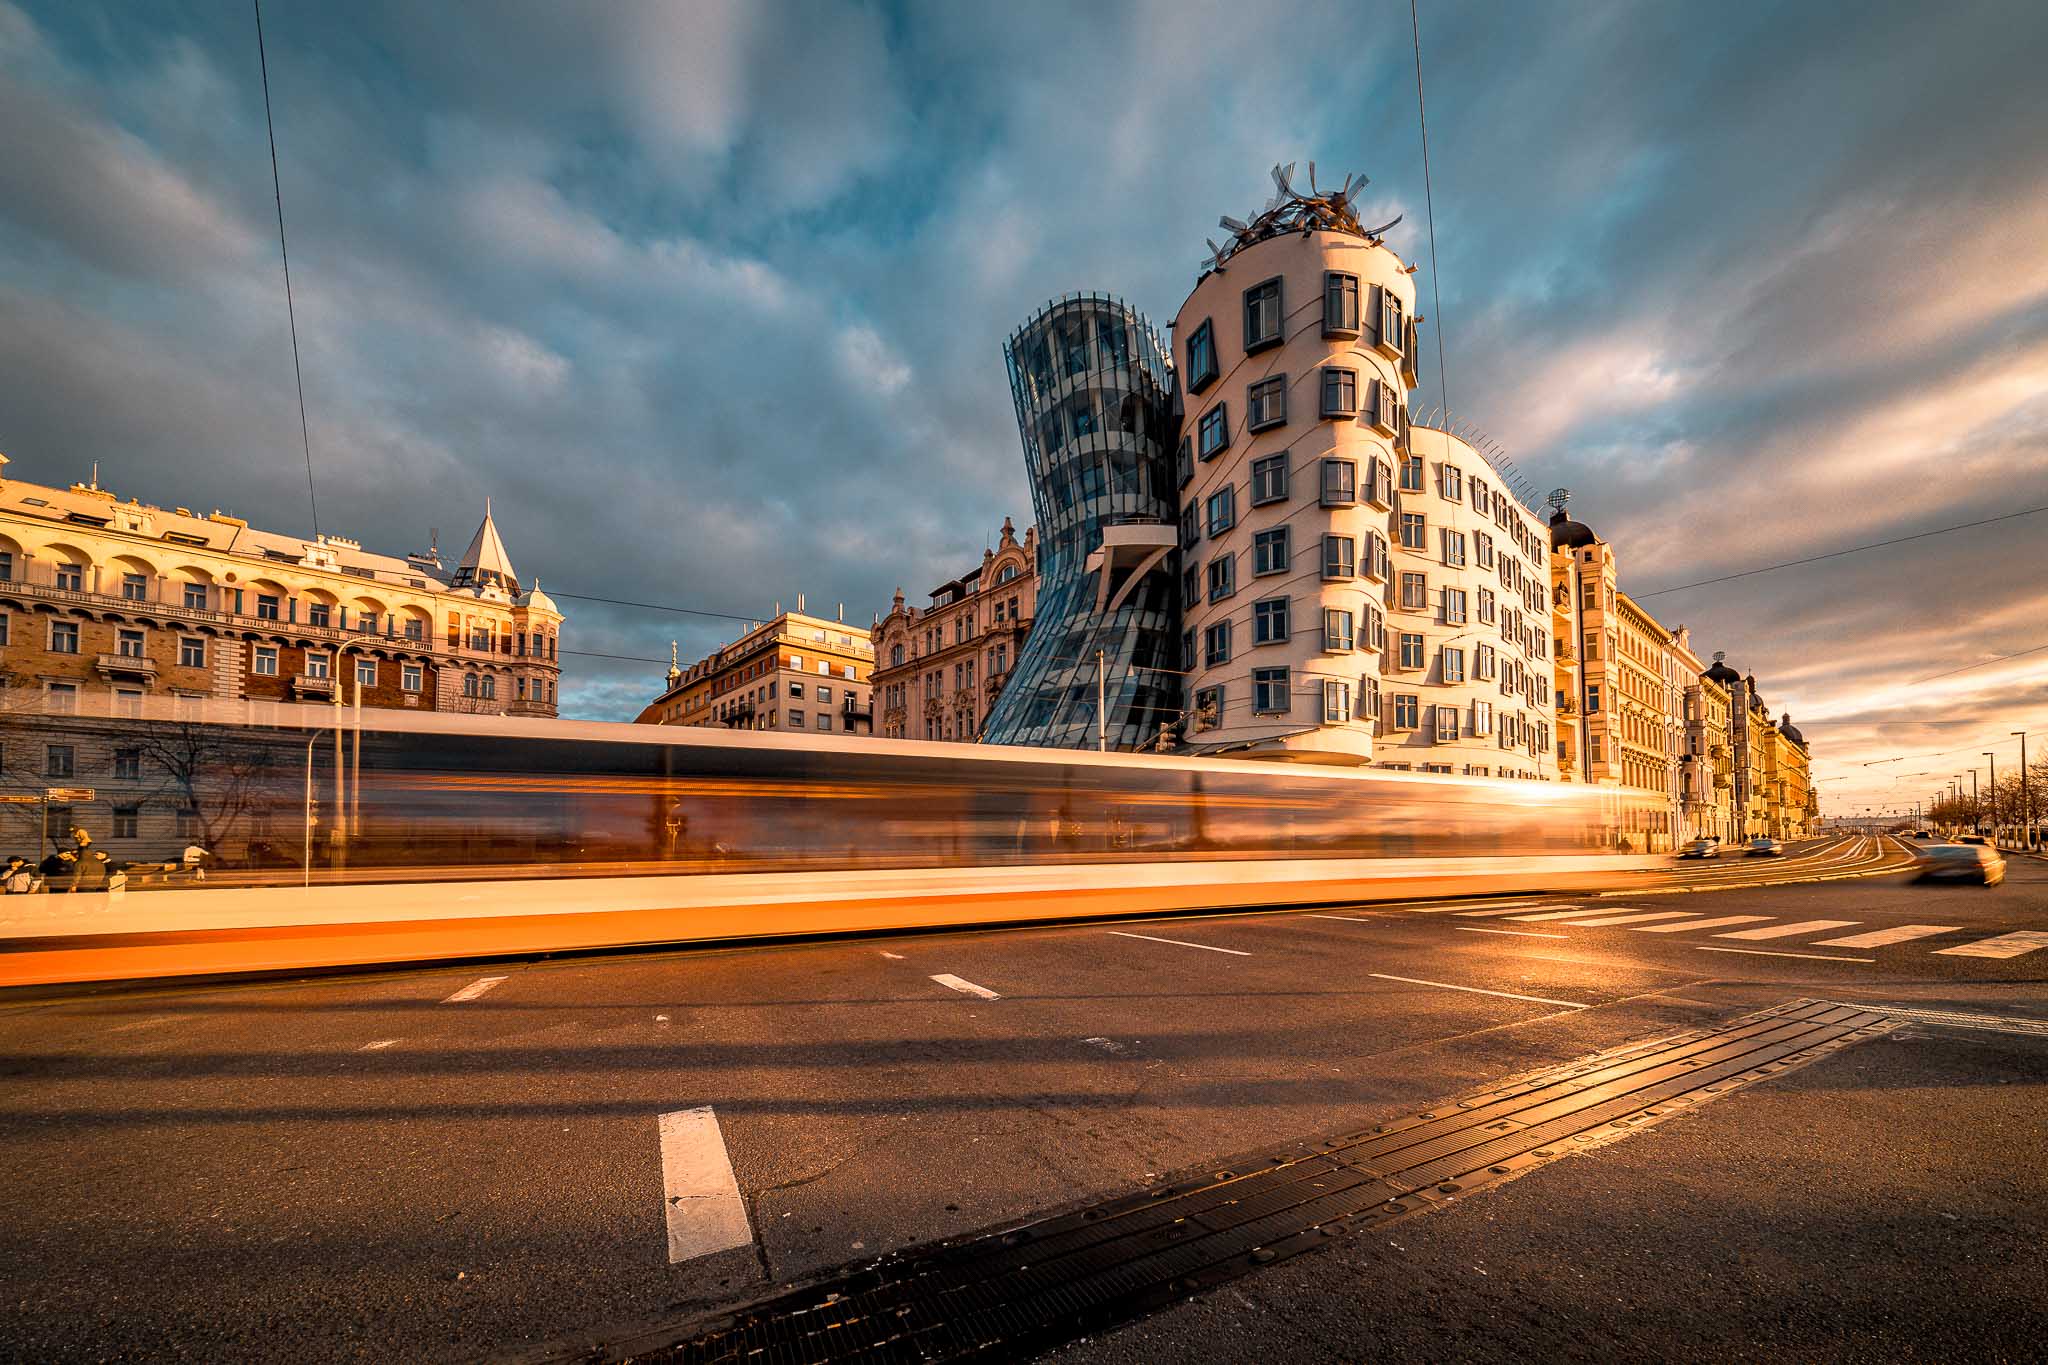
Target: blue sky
[[710, 298]]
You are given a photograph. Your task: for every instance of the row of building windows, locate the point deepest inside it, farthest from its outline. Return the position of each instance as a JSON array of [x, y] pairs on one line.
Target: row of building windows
[[1384, 323]]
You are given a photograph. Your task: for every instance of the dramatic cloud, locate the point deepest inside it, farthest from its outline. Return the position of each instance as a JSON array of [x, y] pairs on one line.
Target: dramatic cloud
[[710, 297]]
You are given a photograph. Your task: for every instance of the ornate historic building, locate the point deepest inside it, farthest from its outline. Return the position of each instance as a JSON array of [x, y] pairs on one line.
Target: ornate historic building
[[113, 611], [939, 669], [792, 672]]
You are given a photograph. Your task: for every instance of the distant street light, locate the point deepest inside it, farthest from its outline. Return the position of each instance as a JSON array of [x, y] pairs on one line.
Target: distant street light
[[1994, 796], [2026, 793]]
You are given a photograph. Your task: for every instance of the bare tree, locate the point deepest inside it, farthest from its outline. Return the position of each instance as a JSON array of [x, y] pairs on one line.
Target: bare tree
[[223, 776]]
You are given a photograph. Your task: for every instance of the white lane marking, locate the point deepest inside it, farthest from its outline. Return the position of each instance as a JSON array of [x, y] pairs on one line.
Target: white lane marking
[[1560, 914], [1720, 923], [954, 983], [1501, 910], [1106, 1044], [894, 957], [1348, 919], [1805, 926], [1480, 990], [2005, 945], [1768, 952], [1637, 918], [377, 1046], [1518, 933], [1179, 943], [1880, 937], [699, 1196], [1463, 907], [473, 990]]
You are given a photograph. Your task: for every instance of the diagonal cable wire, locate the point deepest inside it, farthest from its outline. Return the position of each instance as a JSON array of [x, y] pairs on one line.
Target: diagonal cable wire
[[290, 311], [1436, 300]]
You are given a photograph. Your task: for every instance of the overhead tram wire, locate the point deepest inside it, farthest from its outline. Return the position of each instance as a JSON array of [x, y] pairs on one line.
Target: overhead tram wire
[[1429, 203], [1837, 554], [290, 310]]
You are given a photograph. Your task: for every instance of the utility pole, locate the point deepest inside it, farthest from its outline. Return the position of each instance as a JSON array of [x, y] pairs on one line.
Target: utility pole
[[1994, 797], [2026, 794]]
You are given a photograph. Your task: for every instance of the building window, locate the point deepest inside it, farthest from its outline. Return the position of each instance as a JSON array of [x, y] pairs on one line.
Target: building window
[[1411, 651], [1454, 547], [71, 578], [1190, 526], [1414, 531], [1454, 606], [1216, 644], [1213, 432], [1411, 474], [1390, 324], [1222, 510], [63, 637], [1338, 634], [825, 693], [268, 607], [1269, 551], [126, 821], [1336, 702], [1483, 549], [796, 720], [60, 760], [1208, 708], [317, 614], [1340, 392], [1453, 481], [1446, 724], [469, 684], [1269, 691], [1222, 577], [1340, 557], [1340, 304], [796, 690], [824, 720], [1190, 587], [1482, 717], [192, 651], [1201, 357], [1262, 316], [1593, 699], [1593, 748], [1266, 402], [263, 662], [1453, 661], [1486, 608], [1377, 563], [1269, 480], [316, 664], [128, 643], [1369, 698], [1340, 483], [1375, 634], [128, 701], [1184, 462], [1407, 711], [410, 677], [1269, 621], [1414, 591], [366, 672], [134, 587], [1189, 660], [6, 566], [195, 597], [1482, 663]]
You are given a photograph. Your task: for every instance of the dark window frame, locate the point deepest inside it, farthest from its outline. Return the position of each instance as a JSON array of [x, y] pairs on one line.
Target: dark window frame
[[1272, 391], [1330, 387], [1269, 479], [1334, 296], [1265, 341], [1201, 349]]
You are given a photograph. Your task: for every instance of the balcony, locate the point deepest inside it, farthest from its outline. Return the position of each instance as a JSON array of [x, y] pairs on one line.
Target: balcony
[[126, 667], [854, 710], [307, 685]]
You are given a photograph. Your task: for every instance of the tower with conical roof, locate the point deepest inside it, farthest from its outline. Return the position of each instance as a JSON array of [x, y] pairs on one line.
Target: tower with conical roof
[[485, 564]]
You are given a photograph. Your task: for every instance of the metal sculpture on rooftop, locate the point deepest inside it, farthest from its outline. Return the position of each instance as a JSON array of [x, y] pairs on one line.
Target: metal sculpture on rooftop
[[1289, 210]]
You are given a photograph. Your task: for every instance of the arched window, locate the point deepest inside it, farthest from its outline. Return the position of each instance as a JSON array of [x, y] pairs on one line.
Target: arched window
[[469, 684], [490, 688], [1006, 573], [896, 657]]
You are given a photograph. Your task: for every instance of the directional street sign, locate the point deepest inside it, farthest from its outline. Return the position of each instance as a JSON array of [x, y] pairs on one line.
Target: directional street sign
[[21, 800], [70, 794]]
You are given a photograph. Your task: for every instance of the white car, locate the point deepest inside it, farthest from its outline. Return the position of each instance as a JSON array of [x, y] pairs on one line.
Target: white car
[[1964, 862], [1763, 846]]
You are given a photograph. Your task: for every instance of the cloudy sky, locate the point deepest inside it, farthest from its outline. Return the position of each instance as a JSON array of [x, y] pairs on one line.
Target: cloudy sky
[[710, 298]]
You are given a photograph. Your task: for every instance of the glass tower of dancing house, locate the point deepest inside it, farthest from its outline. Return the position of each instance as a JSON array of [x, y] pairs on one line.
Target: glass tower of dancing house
[[1094, 408]]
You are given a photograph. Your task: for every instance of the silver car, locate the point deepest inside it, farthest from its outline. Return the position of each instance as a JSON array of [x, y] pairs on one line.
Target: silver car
[[1963, 862], [1763, 846]]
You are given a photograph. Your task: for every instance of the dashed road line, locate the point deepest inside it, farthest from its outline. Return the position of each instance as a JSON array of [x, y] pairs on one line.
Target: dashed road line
[[378, 1046], [1518, 933], [1806, 926], [954, 983], [1348, 919], [2005, 945], [1461, 907], [1182, 943], [894, 957], [1720, 923], [473, 990], [1880, 937], [700, 1198], [1484, 914], [1770, 952], [1572, 913], [1480, 990]]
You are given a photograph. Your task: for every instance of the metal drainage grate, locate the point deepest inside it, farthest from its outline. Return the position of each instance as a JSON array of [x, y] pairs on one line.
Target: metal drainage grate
[[1994, 1023], [1030, 1287]]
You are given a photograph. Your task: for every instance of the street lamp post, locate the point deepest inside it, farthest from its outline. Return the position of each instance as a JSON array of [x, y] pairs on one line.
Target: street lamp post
[[1994, 797], [2026, 794], [1976, 805]]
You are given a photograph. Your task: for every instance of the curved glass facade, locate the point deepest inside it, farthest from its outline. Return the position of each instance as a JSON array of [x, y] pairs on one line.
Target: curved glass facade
[[1094, 409]]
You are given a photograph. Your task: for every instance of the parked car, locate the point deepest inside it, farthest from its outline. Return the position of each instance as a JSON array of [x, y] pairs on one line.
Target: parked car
[[1701, 848], [1965, 862], [1976, 839], [1763, 846]]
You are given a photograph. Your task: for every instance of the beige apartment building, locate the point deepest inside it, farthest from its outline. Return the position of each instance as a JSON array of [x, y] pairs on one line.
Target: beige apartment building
[[940, 668], [792, 672], [1354, 589], [1706, 762], [111, 609]]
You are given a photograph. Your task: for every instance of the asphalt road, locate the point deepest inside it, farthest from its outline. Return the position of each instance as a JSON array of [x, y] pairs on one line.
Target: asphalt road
[[363, 1166]]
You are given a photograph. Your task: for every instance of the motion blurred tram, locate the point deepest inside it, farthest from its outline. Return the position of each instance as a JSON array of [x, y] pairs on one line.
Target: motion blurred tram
[[437, 836]]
